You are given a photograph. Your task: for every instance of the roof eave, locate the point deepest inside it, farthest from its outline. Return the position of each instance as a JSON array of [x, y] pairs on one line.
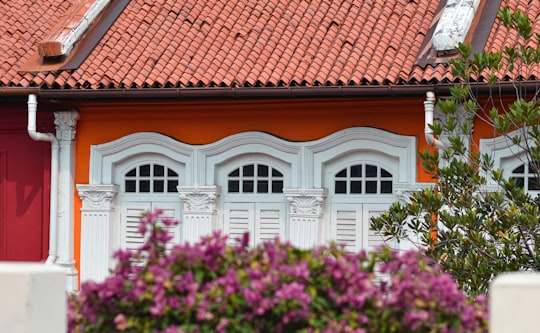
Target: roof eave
[[382, 91]]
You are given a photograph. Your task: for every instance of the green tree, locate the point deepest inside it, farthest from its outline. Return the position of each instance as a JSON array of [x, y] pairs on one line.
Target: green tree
[[476, 231]]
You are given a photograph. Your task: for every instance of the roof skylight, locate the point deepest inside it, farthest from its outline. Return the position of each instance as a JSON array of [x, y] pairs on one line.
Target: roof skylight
[[454, 25]]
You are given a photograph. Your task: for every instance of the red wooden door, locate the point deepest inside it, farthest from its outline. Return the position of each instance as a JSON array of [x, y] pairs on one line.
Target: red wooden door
[[24, 191]]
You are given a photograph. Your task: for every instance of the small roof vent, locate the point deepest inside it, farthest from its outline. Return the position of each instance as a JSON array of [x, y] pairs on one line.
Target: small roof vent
[[68, 32], [454, 25]]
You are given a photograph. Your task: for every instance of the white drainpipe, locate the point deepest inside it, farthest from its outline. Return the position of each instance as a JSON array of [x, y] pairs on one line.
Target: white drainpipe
[[32, 110], [429, 106]]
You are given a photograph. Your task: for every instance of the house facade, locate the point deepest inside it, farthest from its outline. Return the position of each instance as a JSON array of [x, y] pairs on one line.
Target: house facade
[[292, 120]]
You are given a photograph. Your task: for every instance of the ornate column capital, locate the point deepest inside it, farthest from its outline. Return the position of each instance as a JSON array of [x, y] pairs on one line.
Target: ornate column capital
[[200, 199], [97, 197], [305, 202], [65, 122]]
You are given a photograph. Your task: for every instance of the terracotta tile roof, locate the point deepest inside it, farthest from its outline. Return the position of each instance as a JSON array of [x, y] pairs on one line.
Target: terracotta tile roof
[[187, 43]]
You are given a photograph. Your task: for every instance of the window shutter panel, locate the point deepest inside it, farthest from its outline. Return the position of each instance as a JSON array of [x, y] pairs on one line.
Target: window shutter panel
[[346, 228], [239, 219], [130, 219], [270, 222], [374, 238]]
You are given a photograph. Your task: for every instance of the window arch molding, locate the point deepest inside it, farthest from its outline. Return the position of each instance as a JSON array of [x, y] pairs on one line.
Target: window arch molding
[[374, 145], [505, 154], [105, 157], [252, 146]]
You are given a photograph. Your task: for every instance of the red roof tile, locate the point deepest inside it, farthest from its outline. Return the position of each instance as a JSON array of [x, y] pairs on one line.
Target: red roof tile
[[239, 43]]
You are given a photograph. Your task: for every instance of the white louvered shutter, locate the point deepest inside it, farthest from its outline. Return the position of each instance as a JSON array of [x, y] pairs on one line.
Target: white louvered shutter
[[263, 221], [269, 222], [129, 224], [350, 226], [374, 238], [346, 226], [130, 218], [239, 218]]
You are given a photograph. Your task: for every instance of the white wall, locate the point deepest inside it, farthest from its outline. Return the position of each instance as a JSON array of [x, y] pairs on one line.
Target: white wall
[[33, 298]]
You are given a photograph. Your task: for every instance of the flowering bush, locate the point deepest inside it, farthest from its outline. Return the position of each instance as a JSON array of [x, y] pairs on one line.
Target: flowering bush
[[275, 287]]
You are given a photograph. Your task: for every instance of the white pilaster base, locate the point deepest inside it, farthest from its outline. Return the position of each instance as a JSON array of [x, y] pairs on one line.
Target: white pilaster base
[[96, 230]]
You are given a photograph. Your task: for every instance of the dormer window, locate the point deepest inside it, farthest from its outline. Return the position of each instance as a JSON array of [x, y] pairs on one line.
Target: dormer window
[[454, 25]]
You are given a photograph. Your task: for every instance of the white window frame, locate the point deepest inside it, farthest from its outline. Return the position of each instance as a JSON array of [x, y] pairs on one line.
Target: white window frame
[[304, 166], [506, 155]]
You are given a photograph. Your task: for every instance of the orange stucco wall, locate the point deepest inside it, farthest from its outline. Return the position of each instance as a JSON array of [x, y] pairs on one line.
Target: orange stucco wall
[[201, 122]]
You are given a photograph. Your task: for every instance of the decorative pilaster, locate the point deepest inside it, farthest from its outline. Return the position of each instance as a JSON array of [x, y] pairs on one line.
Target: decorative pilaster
[[305, 215], [66, 122], [463, 119], [96, 230], [199, 211]]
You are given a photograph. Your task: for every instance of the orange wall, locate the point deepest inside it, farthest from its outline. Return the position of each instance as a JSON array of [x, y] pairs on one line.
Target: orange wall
[[201, 122]]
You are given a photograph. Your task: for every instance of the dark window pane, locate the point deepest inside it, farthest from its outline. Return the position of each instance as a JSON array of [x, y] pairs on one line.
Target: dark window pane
[[159, 171], [262, 170], [144, 170], [159, 186], [385, 173], [247, 186], [371, 171], [248, 170], [171, 186], [386, 187], [277, 186], [132, 173], [533, 167], [356, 171], [520, 181], [371, 186], [519, 169], [262, 186], [534, 184], [235, 173], [131, 186], [144, 186], [356, 186], [234, 186], [171, 173], [342, 173], [276, 173], [341, 186]]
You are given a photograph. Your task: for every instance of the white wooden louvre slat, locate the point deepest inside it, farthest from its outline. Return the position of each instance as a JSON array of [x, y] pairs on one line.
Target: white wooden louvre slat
[[375, 239], [346, 229], [172, 229], [269, 223], [238, 222], [132, 238]]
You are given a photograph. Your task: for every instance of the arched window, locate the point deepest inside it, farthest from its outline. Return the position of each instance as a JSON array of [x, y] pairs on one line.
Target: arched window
[[363, 179], [151, 178], [255, 178], [525, 176]]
